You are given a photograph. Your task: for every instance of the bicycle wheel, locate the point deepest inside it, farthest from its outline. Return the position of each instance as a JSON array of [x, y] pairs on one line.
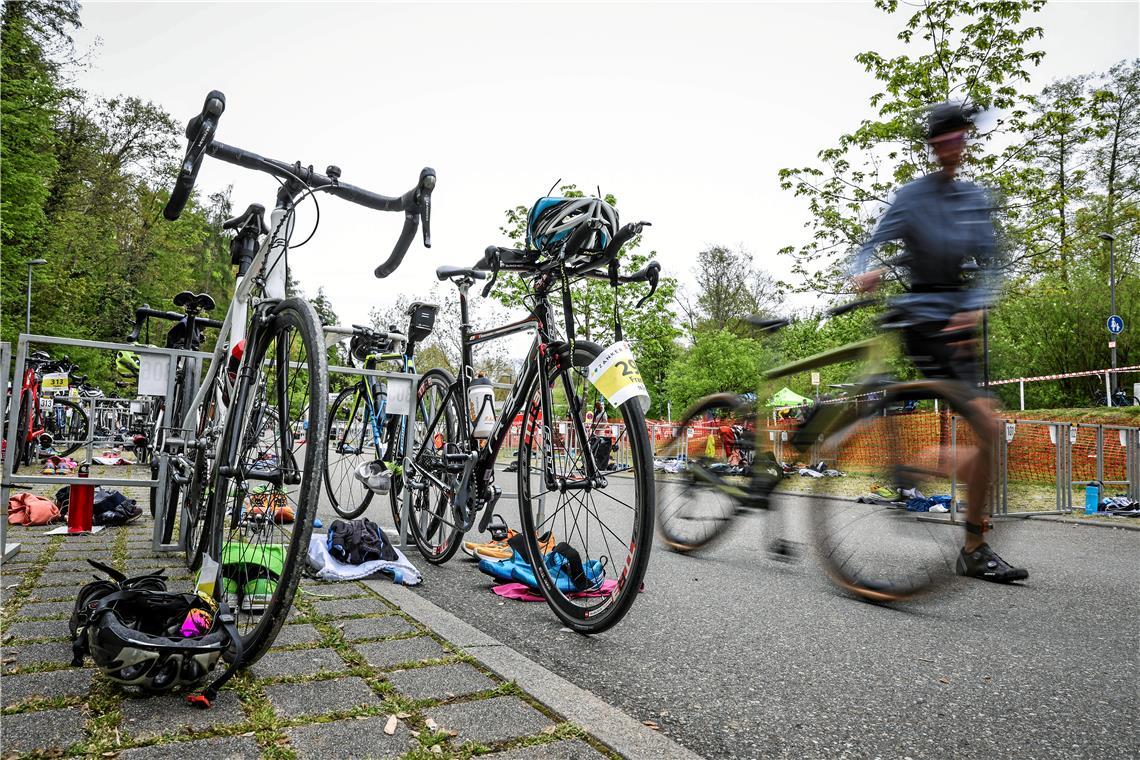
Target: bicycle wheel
[[433, 523], [609, 526], [23, 453], [68, 428], [708, 472], [350, 445], [394, 455], [268, 480], [873, 547], [197, 495]]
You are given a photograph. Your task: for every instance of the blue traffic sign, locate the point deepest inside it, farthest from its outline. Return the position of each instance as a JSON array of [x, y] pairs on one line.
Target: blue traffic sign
[[1115, 324]]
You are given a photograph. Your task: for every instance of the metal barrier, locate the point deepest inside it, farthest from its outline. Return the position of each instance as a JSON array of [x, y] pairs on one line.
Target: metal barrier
[[8, 550], [163, 372]]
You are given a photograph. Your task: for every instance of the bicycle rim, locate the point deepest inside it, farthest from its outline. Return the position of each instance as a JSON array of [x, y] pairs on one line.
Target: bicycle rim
[[262, 516], [610, 526], [350, 445], [879, 550], [707, 471], [433, 523]]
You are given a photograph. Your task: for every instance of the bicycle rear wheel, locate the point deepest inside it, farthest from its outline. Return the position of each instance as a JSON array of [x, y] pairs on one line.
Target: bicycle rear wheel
[[67, 425], [433, 523], [876, 548], [268, 480], [708, 472], [607, 527], [350, 435], [22, 455]]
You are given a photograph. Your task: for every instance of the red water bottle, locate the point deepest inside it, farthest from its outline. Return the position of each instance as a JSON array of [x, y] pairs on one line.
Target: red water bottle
[[80, 504]]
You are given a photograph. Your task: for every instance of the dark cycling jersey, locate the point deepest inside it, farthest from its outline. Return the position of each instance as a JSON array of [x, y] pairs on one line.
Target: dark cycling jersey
[[943, 224]]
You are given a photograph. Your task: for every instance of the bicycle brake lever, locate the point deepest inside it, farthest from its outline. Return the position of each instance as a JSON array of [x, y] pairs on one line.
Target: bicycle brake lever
[[494, 276], [427, 184], [654, 276]]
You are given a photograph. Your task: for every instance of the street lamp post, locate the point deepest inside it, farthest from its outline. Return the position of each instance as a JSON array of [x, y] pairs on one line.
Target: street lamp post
[[28, 319], [1112, 303]]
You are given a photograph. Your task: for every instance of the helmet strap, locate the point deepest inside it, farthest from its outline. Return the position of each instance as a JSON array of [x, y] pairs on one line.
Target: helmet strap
[[613, 273], [225, 618]]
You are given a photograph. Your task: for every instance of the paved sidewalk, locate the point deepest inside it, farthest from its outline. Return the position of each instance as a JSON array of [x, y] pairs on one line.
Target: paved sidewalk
[[347, 661]]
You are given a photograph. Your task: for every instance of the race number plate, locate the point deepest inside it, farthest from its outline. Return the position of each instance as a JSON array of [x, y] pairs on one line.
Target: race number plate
[[56, 382], [46, 403], [614, 373]]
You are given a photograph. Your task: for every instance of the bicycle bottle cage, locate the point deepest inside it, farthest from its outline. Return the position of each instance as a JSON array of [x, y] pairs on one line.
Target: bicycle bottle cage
[[421, 321]]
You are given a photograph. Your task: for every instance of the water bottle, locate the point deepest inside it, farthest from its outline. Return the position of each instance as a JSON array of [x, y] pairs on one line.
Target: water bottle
[[481, 406], [1092, 497]]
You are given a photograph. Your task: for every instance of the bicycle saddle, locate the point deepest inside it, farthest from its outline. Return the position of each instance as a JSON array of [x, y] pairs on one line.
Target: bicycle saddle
[[254, 211], [446, 273], [194, 301]]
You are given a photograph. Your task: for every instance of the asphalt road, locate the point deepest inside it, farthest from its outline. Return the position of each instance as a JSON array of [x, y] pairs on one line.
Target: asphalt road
[[736, 655]]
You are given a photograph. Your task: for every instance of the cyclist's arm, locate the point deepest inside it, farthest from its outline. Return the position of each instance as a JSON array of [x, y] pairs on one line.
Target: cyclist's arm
[[891, 226]]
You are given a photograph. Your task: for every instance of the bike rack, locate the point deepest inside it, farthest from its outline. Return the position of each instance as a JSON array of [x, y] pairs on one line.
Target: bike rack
[[7, 480], [8, 550], [1129, 438]]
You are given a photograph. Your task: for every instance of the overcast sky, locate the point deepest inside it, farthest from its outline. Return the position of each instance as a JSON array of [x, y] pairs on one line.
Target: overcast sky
[[685, 112]]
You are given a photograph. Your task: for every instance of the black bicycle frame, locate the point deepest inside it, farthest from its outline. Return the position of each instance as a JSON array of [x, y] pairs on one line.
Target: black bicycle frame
[[481, 464]]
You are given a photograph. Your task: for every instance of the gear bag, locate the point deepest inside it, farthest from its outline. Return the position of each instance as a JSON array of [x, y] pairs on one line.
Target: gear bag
[[354, 542]]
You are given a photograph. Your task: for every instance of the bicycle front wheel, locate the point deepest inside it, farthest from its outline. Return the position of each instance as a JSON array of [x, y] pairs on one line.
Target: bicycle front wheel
[[350, 445], [433, 522], [67, 424], [883, 465], [268, 481], [707, 474], [607, 526]]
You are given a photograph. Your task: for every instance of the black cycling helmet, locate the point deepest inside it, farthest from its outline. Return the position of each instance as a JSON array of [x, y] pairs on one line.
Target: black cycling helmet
[[127, 639], [946, 118]]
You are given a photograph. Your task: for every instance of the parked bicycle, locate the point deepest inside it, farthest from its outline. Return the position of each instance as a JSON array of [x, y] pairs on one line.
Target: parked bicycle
[[361, 432], [1120, 397], [581, 527], [875, 549], [164, 417], [48, 424], [249, 483]]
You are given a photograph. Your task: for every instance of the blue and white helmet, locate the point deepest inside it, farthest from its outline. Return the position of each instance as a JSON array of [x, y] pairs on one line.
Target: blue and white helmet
[[552, 220]]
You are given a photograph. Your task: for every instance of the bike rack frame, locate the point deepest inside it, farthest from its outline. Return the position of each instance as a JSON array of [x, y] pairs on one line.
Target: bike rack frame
[[7, 479], [8, 550]]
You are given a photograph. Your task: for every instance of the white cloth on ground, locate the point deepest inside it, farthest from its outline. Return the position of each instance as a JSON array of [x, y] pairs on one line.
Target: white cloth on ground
[[329, 569]]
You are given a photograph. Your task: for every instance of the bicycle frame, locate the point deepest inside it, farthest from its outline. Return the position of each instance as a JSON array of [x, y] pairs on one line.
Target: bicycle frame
[[480, 466]]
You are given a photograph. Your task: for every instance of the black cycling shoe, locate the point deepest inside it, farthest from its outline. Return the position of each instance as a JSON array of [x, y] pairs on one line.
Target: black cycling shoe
[[984, 563]]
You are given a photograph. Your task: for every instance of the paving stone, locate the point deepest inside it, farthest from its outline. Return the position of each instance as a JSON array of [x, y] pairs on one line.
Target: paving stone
[[72, 682], [439, 681], [569, 750], [41, 730], [374, 628], [385, 654], [69, 565], [28, 654], [149, 716], [66, 579], [490, 720], [302, 633], [229, 748], [59, 609], [298, 662], [350, 740], [37, 629], [336, 608], [316, 590], [291, 700]]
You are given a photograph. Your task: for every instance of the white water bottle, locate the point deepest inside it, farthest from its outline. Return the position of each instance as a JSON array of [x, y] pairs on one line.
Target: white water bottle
[[481, 406]]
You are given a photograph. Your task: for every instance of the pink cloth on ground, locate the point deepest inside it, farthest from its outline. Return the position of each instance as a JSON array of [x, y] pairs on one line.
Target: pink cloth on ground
[[523, 593]]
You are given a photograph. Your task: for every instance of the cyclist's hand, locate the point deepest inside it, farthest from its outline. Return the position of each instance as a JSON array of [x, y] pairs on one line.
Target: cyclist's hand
[[965, 323], [868, 281]]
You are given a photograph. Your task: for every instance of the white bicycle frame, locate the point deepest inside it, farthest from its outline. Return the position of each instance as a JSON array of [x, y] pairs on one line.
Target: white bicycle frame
[[234, 325]]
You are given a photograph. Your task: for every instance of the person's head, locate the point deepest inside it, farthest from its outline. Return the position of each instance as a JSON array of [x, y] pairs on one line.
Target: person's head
[[946, 128]]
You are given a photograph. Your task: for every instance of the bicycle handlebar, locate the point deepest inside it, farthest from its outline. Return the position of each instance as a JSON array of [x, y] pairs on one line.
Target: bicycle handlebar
[[416, 203], [861, 303]]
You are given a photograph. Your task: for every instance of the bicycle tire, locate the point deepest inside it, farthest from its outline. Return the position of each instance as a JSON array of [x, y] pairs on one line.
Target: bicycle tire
[[698, 505], [432, 511], [583, 614], [75, 430], [394, 453], [23, 444], [260, 596], [861, 546], [349, 497]]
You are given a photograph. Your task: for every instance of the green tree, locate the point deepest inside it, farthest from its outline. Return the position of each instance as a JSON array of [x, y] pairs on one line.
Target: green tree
[[718, 361]]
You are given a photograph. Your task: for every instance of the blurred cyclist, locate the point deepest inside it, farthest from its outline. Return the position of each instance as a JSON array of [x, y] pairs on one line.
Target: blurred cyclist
[[943, 222]]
